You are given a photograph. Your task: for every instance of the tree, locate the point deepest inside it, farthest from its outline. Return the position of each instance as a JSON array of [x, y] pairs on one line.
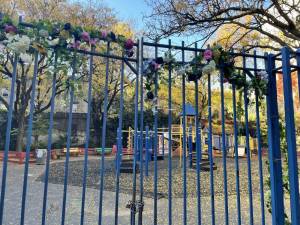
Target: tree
[[276, 21], [89, 15]]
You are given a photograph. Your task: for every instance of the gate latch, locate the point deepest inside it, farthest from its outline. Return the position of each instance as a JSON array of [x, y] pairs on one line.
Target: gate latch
[[135, 206]]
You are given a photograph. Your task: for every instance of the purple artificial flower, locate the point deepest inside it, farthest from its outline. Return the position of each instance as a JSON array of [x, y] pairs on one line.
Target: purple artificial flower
[[85, 36], [75, 45], [225, 80], [104, 34], [93, 42], [129, 44], [10, 29], [155, 65], [129, 53], [208, 54]]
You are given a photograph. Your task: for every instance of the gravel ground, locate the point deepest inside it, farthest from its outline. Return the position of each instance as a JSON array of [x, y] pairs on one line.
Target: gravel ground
[[56, 176], [73, 204]]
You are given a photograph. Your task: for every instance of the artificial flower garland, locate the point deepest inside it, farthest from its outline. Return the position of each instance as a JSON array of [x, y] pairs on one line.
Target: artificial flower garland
[[212, 58], [46, 35]]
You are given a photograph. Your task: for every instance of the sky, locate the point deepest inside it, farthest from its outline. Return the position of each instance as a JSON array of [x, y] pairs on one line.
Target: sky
[[134, 10], [130, 10]]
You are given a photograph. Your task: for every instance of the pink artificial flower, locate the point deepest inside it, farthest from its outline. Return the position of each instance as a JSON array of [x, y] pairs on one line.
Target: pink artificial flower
[[129, 44], [85, 36], [208, 54], [10, 29], [93, 42], [104, 34]]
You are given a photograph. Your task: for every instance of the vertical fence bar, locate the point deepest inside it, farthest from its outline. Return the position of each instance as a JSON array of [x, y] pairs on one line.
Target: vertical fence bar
[[155, 140], [274, 146], [87, 137], [210, 152], [136, 111], [260, 165], [120, 143], [28, 138], [236, 156], [7, 135], [163, 144], [147, 151], [224, 149], [141, 146], [290, 136], [49, 139], [69, 133], [170, 141], [190, 143], [246, 103], [103, 138], [198, 146], [298, 70], [184, 144]]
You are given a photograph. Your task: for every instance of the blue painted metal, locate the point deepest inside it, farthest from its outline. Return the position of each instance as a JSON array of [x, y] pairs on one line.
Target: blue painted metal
[[155, 150], [53, 93], [260, 165], [136, 111], [298, 70], [120, 145], [210, 153], [147, 143], [69, 133], [274, 147], [198, 147], [87, 137], [190, 145], [170, 143], [246, 102], [141, 146], [7, 136], [103, 138], [163, 144], [28, 138], [184, 144], [224, 149], [290, 136], [236, 157]]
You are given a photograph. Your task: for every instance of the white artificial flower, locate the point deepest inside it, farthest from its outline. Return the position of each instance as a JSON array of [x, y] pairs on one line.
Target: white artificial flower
[[44, 33], [2, 47], [181, 70], [26, 58], [53, 42], [263, 74], [18, 44], [209, 68]]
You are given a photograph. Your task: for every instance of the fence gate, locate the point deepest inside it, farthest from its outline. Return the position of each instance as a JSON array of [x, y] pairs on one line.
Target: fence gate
[[189, 181]]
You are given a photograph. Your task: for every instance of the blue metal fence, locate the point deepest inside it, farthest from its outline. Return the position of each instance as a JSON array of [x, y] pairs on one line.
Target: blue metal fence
[[136, 205]]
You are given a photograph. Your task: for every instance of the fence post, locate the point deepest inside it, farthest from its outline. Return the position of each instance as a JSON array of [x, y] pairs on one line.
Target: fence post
[[290, 136], [274, 146]]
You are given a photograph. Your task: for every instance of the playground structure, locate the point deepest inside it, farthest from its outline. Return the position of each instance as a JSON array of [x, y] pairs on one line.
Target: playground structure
[[177, 135]]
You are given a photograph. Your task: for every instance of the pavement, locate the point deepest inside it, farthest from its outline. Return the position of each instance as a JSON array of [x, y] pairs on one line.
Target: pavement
[[34, 203]]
